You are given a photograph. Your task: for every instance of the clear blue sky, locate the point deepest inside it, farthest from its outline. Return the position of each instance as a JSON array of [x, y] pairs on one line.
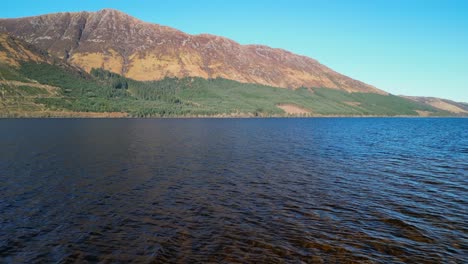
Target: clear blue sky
[[411, 47]]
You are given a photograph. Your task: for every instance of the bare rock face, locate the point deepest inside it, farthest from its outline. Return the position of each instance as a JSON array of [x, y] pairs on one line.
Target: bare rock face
[[120, 43]]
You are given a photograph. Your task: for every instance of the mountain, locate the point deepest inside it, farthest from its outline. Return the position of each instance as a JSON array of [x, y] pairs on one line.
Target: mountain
[[50, 67], [117, 42]]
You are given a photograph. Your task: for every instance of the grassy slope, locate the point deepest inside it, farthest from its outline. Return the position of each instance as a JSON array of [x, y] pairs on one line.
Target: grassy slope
[[234, 97], [106, 92]]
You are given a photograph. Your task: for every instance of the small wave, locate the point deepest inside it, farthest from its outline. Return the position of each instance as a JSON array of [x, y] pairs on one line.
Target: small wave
[[407, 230]]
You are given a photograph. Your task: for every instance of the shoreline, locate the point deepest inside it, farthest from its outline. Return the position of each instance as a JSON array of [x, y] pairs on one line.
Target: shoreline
[[107, 115]]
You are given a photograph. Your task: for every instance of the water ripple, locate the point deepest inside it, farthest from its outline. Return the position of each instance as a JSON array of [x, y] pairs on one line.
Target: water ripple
[[326, 190]]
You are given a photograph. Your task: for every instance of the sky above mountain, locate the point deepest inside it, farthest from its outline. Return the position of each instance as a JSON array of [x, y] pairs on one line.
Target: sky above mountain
[[412, 47]]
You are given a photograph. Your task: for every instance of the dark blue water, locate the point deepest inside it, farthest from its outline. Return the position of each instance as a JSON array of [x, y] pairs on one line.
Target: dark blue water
[[331, 190]]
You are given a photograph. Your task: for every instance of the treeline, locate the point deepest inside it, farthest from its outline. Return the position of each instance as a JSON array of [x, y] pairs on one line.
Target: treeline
[[104, 91], [113, 80], [74, 83], [164, 90]]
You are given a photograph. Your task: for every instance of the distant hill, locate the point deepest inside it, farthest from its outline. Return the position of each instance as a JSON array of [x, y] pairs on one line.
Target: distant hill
[[117, 42], [442, 104]]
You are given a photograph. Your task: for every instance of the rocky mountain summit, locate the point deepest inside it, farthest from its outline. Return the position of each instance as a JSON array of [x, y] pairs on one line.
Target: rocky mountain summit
[[117, 42]]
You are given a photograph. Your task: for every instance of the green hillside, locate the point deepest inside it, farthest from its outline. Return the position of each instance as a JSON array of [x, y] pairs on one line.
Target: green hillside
[[70, 91]]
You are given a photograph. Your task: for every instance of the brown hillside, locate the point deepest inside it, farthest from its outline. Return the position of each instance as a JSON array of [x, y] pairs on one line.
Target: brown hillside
[[13, 51], [442, 104], [143, 51]]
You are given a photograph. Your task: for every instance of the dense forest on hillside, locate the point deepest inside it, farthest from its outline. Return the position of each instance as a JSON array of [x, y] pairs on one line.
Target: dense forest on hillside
[[103, 91]]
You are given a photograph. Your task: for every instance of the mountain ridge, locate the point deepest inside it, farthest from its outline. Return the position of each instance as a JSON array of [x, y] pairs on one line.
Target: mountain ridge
[[115, 41]]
